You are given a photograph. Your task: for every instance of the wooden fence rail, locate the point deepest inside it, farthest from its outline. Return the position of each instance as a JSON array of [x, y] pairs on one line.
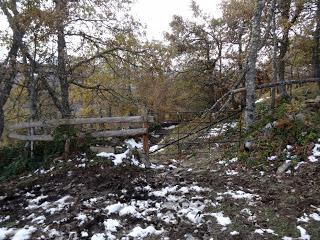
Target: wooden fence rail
[[102, 134], [142, 131], [80, 121]]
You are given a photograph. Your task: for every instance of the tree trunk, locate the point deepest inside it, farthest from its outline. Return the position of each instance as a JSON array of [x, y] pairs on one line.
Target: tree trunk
[[240, 51], [8, 72], [274, 62], [287, 23], [316, 46], [250, 82], [28, 73], [61, 7], [1, 122], [281, 63]]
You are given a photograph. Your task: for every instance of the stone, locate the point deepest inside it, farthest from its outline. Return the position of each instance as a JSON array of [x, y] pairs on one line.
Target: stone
[[106, 149], [284, 167], [301, 117]]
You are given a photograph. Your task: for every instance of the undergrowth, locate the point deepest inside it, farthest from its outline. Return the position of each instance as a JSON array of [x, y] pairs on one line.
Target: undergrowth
[[16, 159], [290, 123]]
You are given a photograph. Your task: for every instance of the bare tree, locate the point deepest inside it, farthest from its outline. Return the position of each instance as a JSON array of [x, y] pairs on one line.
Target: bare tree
[[9, 66], [250, 79], [287, 22], [316, 44]]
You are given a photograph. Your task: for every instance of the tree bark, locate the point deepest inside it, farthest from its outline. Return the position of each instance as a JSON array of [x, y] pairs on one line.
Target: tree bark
[[10, 64], [1, 121], [285, 6], [61, 8], [316, 46], [281, 63], [240, 51], [250, 78], [274, 62]]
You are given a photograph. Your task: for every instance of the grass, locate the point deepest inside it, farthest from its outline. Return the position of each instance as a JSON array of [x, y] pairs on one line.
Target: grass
[[297, 125], [269, 218]]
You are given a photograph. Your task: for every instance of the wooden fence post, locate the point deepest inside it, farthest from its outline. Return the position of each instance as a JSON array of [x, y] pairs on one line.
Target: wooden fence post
[[66, 153], [179, 147], [240, 130], [145, 139], [31, 143]]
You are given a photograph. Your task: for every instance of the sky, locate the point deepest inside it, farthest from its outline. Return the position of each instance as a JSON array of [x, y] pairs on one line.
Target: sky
[[157, 14]]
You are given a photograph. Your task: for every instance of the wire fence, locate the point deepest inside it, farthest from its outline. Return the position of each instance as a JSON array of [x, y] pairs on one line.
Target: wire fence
[[187, 133]]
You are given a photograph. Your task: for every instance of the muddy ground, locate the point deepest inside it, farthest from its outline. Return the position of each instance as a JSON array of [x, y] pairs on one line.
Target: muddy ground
[[79, 199]]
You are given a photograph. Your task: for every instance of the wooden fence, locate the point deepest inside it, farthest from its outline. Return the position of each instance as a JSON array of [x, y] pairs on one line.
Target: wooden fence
[[114, 121]]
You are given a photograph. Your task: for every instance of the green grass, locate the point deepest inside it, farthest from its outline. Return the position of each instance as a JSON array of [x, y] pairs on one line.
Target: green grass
[[282, 226]]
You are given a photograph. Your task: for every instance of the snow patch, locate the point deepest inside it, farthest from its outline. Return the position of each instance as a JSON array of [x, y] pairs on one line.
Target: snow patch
[[304, 218], [98, 236], [139, 232], [128, 210], [260, 100], [163, 192], [220, 129], [262, 231], [272, 158], [315, 153], [222, 220], [170, 127], [154, 148], [117, 159], [18, 234], [303, 233], [315, 216], [111, 225], [231, 172], [59, 205], [82, 218], [239, 194], [114, 208], [39, 220], [133, 144]]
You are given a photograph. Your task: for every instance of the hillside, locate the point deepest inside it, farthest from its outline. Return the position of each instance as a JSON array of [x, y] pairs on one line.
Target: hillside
[[231, 194]]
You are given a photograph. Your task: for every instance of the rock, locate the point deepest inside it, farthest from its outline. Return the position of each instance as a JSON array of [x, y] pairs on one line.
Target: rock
[[120, 149], [248, 145], [268, 128], [271, 125], [189, 237], [301, 117], [170, 206], [284, 167], [106, 149]]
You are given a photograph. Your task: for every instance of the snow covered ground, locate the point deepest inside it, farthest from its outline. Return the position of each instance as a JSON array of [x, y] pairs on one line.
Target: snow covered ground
[[117, 198]]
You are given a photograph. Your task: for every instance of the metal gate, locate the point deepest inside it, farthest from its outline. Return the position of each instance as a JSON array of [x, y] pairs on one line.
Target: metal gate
[[185, 133]]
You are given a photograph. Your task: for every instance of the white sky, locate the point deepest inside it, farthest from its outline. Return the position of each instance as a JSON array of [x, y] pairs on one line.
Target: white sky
[[157, 14]]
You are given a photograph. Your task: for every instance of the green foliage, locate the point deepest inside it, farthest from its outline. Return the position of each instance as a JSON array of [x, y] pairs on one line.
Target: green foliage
[[278, 223], [280, 111], [315, 118], [64, 132], [288, 130], [17, 160], [263, 107], [307, 137]]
